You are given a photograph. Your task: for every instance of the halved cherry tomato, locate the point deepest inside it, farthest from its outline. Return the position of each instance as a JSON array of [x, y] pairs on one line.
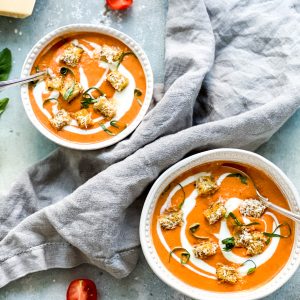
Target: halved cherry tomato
[[118, 4], [82, 289]]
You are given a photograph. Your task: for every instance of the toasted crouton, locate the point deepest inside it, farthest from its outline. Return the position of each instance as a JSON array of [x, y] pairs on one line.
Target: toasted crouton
[[117, 80], [108, 54], [252, 208], [171, 218], [253, 241], [215, 212], [71, 56], [83, 118], [54, 83], [60, 119], [205, 249], [227, 274], [206, 185], [106, 107], [70, 89]]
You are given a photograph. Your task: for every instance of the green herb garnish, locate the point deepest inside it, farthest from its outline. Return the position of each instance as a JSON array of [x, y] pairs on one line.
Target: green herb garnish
[[242, 178], [3, 104], [137, 93], [49, 99], [93, 88], [229, 243], [273, 234], [122, 57], [139, 102], [182, 189], [87, 101], [250, 270], [5, 64], [64, 71], [107, 130], [238, 223], [193, 228], [184, 256]]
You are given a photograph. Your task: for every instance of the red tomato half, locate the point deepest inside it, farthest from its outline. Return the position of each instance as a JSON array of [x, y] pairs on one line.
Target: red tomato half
[[82, 289], [118, 4]]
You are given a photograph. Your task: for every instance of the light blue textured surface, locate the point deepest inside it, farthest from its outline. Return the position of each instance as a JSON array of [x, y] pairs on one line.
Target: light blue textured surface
[[22, 144]]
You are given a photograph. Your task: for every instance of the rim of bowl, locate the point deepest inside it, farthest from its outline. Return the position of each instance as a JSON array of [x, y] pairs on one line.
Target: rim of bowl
[[226, 154], [78, 28]]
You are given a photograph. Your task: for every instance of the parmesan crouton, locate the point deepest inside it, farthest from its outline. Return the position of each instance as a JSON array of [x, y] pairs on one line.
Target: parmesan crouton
[[227, 274], [117, 80], [108, 54], [83, 118], [215, 212], [171, 218], [205, 249], [54, 83], [60, 119], [206, 185], [71, 56], [70, 89], [106, 107], [253, 241], [252, 208]]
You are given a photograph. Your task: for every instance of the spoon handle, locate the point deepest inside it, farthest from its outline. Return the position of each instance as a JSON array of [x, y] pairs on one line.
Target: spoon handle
[[284, 212], [13, 82]]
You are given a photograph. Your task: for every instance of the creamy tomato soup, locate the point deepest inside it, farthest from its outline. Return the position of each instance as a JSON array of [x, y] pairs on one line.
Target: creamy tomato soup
[[94, 88], [211, 231]]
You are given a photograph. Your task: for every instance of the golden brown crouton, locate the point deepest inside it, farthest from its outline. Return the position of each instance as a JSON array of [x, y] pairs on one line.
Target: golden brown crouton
[[108, 54], [206, 185], [205, 249], [117, 80], [71, 56], [106, 107], [171, 218], [70, 89], [60, 119], [252, 208], [253, 241], [54, 83], [83, 118], [227, 274], [215, 212]]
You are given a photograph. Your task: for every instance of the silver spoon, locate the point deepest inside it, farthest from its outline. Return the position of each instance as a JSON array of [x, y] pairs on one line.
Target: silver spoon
[[269, 204], [13, 82]]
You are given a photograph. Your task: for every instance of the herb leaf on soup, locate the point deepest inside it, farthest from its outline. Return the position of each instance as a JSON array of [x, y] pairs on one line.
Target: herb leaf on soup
[[5, 64], [229, 243], [242, 178]]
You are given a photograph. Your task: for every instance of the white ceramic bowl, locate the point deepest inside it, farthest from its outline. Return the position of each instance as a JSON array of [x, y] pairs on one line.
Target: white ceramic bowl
[[233, 155], [75, 28]]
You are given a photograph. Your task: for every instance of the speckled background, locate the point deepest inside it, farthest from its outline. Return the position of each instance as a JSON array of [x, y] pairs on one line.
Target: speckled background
[[21, 144]]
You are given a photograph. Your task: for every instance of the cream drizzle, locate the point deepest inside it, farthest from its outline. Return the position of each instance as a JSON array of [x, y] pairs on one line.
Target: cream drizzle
[[231, 204]]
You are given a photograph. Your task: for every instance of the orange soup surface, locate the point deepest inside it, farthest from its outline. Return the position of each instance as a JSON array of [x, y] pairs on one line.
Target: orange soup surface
[[94, 88], [218, 231]]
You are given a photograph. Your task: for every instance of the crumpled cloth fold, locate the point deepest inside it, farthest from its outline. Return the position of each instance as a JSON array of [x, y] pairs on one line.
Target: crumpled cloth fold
[[231, 80]]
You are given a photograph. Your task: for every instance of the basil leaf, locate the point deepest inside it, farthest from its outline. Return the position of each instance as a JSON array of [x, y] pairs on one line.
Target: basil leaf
[[5, 64], [107, 130], [181, 187], [122, 57], [137, 92], [193, 228], [250, 270], [238, 223], [184, 256], [3, 104], [273, 234], [242, 178], [229, 243]]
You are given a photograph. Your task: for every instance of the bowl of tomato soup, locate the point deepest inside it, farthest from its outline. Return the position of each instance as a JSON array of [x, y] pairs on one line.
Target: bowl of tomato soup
[[97, 86], [205, 232]]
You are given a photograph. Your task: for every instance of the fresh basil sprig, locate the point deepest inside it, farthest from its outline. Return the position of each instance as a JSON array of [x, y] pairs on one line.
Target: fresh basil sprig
[[193, 228], [3, 104], [237, 221], [5, 64], [273, 234], [242, 178], [250, 270], [64, 71], [184, 256], [183, 192], [122, 57], [229, 243], [106, 130]]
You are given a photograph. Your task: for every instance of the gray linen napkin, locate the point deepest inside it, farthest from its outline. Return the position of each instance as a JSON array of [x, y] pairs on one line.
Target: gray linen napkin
[[231, 74]]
